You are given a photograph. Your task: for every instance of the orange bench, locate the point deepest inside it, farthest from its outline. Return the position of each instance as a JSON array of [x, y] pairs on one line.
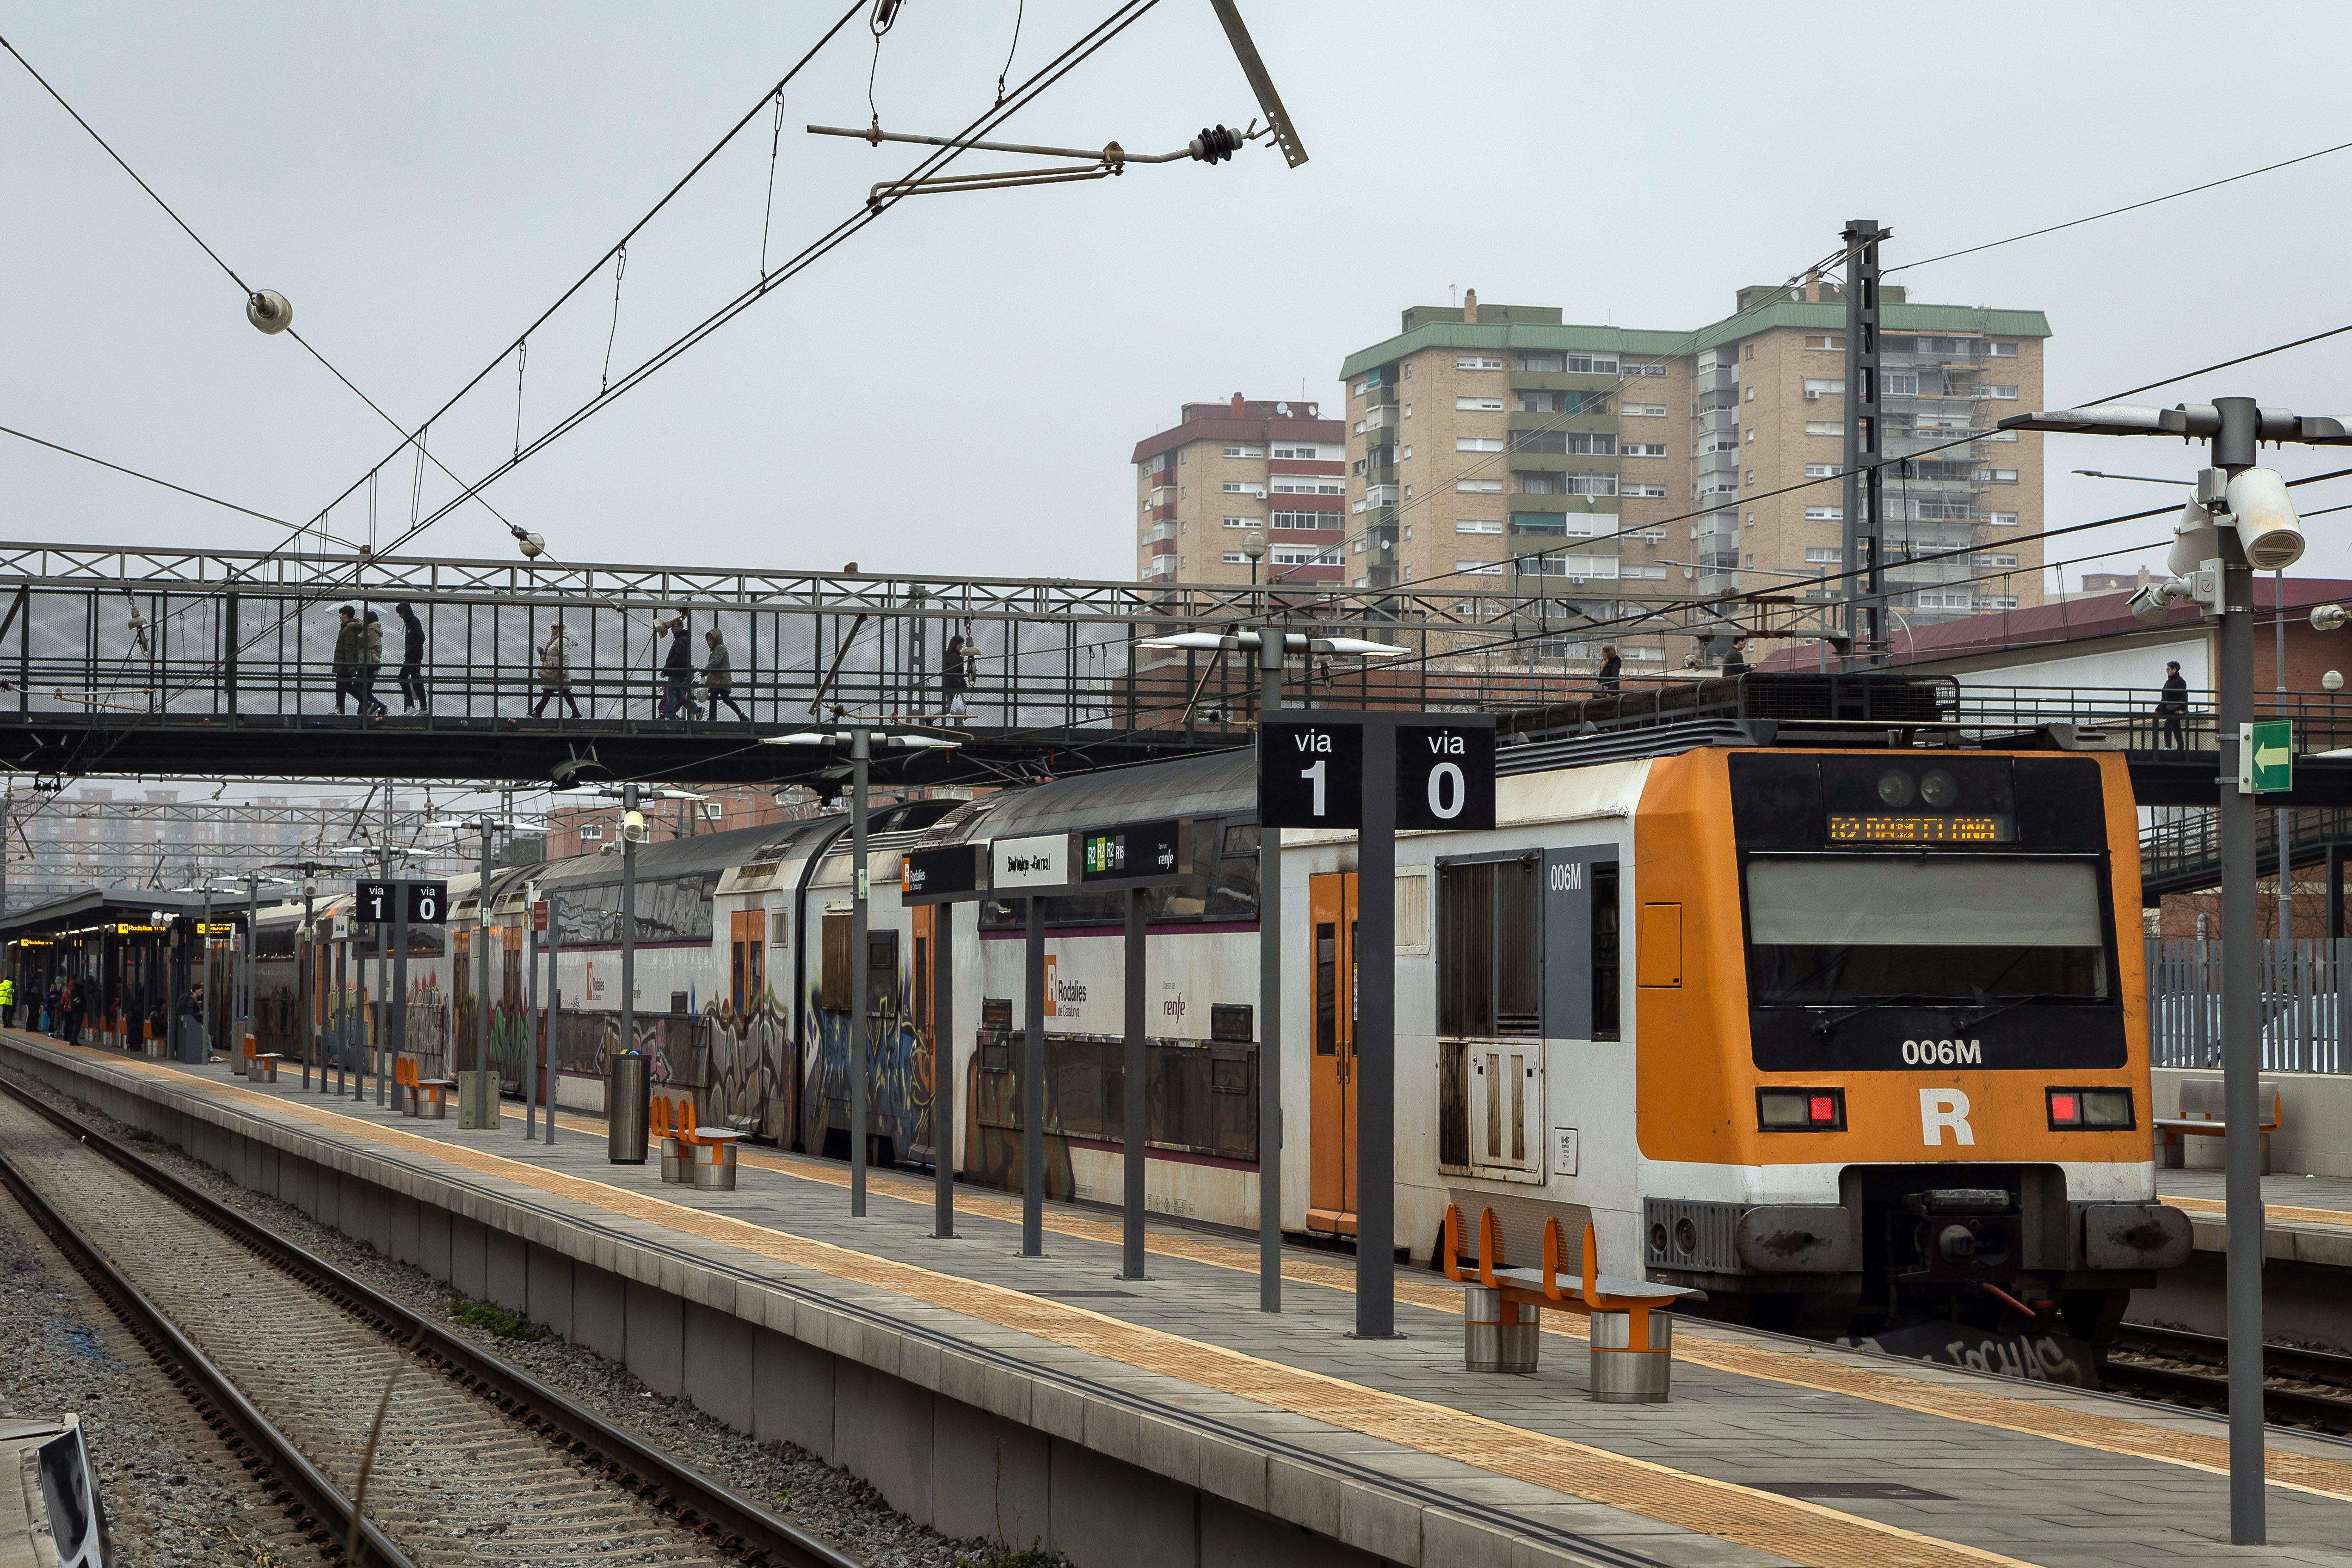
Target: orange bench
[[422, 1097], [1632, 1341], [705, 1156]]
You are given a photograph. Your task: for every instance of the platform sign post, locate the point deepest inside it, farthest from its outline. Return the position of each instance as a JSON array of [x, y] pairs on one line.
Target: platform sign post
[[1375, 772], [554, 999], [1032, 865], [537, 924], [944, 877]]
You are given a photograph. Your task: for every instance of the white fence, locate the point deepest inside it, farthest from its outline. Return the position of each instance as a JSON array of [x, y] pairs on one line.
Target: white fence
[[2306, 1002]]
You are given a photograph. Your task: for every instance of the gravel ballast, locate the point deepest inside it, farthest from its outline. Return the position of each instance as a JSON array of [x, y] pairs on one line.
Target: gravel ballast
[[789, 1480]]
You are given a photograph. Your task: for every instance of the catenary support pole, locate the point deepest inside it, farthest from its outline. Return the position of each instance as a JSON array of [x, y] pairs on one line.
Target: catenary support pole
[[861, 765], [1269, 1001], [342, 1033], [1865, 487], [554, 998], [399, 980], [1033, 1083], [629, 920], [531, 1015], [943, 1075], [483, 1103], [1376, 1041], [1132, 1086], [2241, 1044]]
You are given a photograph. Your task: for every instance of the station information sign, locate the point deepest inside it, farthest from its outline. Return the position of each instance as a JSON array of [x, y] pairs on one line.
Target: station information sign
[[941, 876], [1310, 775], [1042, 861], [1995, 827], [428, 903], [1134, 850], [1446, 776]]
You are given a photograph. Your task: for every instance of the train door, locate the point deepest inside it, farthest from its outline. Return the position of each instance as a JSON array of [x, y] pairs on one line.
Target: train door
[[930, 925], [748, 945], [1331, 1070]]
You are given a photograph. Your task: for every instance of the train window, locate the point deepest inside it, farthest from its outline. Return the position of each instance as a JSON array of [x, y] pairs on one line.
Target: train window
[[1604, 950], [1489, 941], [833, 993], [1835, 929], [1326, 988]]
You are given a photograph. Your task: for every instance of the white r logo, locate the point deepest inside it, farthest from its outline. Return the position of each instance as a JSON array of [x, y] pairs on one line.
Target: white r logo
[[1942, 1108]]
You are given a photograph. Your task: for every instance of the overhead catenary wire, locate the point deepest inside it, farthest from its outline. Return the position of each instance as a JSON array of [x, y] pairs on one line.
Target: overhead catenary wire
[[151, 479]]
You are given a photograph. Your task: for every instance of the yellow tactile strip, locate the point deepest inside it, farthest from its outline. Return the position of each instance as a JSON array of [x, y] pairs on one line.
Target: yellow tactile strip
[[2270, 1211], [1790, 1528]]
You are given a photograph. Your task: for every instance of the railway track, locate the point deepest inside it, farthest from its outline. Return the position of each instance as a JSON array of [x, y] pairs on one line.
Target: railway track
[[289, 1358], [2300, 1387]]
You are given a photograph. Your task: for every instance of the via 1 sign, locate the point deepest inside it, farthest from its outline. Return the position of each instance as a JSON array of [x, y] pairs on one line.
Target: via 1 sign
[[1445, 776], [1310, 775]]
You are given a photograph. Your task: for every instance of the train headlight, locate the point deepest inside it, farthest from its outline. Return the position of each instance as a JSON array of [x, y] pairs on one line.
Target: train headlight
[[2093, 1110], [1939, 789], [1801, 1110], [1895, 788]]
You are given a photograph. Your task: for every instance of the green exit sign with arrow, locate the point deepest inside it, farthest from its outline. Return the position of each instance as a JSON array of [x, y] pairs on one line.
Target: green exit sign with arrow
[[2266, 757]]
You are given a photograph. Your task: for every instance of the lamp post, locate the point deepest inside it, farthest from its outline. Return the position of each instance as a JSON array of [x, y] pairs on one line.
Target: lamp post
[[860, 743], [1271, 648], [2240, 521]]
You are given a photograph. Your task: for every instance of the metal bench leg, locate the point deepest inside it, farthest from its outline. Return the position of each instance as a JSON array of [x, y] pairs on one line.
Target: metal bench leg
[[1624, 1372], [1498, 1335]]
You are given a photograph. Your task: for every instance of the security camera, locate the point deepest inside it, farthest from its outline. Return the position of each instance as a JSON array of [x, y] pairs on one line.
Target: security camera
[[2196, 539], [632, 827], [2151, 601], [2268, 530]]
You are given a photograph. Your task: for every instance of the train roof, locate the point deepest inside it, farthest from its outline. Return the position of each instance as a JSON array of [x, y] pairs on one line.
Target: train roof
[[1221, 784]]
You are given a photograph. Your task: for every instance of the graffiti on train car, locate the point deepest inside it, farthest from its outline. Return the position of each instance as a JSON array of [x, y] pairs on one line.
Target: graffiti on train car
[[747, 1082], [897, 1085]]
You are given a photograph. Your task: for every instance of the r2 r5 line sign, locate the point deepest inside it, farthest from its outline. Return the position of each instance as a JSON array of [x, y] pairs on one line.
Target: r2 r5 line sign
[[1311, 773]]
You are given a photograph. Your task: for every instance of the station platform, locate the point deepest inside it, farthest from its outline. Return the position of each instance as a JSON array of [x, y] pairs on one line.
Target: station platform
[[1772, 1451], [2306, 1247]]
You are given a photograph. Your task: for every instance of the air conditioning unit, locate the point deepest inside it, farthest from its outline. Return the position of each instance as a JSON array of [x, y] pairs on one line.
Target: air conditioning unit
[[1813, 397]]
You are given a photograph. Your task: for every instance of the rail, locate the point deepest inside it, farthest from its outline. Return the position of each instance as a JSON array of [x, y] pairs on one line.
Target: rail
[[731, 1521]]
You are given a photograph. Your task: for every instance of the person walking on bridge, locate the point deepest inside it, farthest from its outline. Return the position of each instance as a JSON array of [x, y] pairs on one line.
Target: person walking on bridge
[[372, 661], [2173, 704], [678, 674], [412, 660], [718, 675], [351, 653], [555, 670]]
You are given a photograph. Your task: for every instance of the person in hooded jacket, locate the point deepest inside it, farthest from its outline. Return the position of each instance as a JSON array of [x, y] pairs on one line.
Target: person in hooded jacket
[[718, 675], [412, 660], [677, 674], [555, 670], [371, 663]]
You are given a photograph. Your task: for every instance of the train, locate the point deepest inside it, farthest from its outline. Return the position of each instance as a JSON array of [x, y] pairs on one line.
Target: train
[[1846, 1028]]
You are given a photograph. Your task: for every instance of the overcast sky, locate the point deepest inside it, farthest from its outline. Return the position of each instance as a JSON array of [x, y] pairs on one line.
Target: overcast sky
[[957, 388]]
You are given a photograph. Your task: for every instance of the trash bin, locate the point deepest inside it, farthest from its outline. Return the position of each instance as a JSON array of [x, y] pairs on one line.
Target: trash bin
[[628, 1084]]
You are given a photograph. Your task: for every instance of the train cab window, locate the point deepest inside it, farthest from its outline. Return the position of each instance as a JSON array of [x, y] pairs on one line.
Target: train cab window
[[1842, 928], [1326, 988], [1490, 953]]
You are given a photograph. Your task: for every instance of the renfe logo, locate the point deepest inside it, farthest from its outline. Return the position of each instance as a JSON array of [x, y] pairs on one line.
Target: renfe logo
[[1942, 1108]]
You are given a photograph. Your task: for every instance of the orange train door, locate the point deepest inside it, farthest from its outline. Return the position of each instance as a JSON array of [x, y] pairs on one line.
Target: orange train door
[[748, 936], [1331, 1070]]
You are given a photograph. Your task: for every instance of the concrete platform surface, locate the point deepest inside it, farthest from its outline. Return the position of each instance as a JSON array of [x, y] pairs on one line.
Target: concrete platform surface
[[1772, 1451]]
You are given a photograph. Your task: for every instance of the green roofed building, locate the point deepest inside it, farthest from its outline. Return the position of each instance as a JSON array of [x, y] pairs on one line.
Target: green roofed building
[[1498, 441]]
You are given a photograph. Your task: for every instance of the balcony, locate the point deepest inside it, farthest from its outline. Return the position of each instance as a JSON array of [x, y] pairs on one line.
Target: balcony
[[1162, 514], [1592, 424], [1378, 495], [1560, 463], [1560, 380]]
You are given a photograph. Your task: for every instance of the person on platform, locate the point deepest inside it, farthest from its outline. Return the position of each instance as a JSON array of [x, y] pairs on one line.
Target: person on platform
[[953, 681], [555, 670], [678, 674], [2172, 704], [49, 998], [1612, 674], [412, 660], [1735, 663], [7, 1002], [372, 661], [76, 1007], [351, 654], [718, 677]]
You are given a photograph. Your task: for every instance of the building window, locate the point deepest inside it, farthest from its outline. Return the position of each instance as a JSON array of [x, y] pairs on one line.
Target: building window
[[2002, 394], [1243, 487], [594, 832], [1240, 522], [2002, 519], [2001, 350], [1824, 341], [1540, 365], [1304, 484], [1477, 363], [1476, 526], [1245, 451], [1180, 490], [2004, 476], [1300, 555], [1309, 454], [1643, 410], [1821, 470], [1235, 558], [1306, 520], [1408, 370], [1824, 514], [1751, 558], [1751, 394], [1478, 486], [1479, 404], [1479, 568], [1829, 386], [1478, 444], [1408, 411], [1894, 383], [1590, 484], [1401, 457], [1652, 491], [1648, 368], [1751, 434], [1641, 449], [1538, 485], [1750, 352], [1358, 389], [1823, 427], [1824, 555], [1751, 475]]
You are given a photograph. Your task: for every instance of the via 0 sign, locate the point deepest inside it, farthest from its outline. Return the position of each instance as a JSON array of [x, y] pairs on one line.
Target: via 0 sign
[[1313, 774]]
